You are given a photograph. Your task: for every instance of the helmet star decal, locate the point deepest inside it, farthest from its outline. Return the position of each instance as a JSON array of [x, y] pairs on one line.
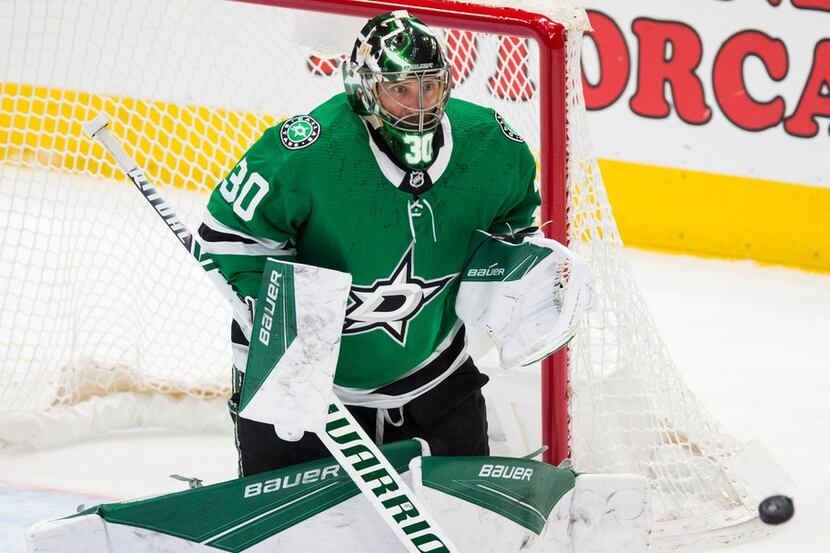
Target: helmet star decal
[[299, 131], [390, 304]]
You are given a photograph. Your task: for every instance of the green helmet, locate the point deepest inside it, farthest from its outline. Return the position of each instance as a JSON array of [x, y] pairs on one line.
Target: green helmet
[[398, 79]]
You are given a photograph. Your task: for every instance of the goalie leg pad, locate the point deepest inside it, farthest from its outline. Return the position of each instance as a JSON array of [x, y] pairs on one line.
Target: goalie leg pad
[[309, 507], [499, 504], [610, 513]]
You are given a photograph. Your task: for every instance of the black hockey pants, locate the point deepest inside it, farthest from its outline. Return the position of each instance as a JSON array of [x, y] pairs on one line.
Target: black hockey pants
[[451, 418]]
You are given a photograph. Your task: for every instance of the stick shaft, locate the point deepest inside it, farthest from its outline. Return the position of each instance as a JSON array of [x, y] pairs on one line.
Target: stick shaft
[[97, 128], [378, 480], [380, 483]]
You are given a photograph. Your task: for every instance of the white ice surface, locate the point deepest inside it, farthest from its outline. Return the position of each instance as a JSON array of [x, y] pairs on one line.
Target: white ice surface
[[752, 341]]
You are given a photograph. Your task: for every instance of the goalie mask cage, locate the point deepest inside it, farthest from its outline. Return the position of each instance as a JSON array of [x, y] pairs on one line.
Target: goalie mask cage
[[107, 324]]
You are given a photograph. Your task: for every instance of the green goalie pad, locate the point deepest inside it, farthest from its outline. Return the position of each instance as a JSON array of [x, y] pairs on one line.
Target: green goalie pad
[[520, 490], [485, 504], [501, 504], [293, 509]]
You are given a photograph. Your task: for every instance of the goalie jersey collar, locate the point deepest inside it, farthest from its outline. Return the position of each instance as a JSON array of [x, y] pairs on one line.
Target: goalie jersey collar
[[409, 180]]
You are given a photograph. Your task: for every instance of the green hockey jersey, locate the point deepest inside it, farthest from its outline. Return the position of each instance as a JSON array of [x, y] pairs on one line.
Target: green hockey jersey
[[320, 189]]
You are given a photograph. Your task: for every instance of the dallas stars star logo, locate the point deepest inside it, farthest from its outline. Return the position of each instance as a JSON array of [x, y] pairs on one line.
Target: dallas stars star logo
[[299, 132], [390, 304]]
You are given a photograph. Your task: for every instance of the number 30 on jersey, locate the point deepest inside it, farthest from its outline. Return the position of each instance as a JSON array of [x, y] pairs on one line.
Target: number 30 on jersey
[[244, 191], [420, 148]]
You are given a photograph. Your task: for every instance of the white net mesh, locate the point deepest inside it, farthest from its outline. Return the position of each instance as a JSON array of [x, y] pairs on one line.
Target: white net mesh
[[630, 409], [97, 298]]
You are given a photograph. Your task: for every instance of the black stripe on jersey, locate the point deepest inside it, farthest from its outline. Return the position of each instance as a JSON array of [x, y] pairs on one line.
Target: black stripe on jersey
[[526, 232], [237, 336], [211, 235], [516, 236], [427, 374]]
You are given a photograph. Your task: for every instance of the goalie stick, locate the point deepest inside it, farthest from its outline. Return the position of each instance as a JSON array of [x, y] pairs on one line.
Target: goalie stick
[[343, 436]]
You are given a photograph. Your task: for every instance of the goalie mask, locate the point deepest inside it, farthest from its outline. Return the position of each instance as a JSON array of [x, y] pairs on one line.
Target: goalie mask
[[398, 79]]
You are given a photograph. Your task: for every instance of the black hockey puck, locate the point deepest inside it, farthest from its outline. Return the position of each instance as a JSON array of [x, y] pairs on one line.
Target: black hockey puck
[[776, 509]]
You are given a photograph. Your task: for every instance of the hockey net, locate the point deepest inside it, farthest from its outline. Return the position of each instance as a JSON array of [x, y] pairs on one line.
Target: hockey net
[[106, 324]]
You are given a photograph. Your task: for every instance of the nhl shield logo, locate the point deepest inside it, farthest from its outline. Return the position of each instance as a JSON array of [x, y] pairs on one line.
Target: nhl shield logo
[[416, 179]]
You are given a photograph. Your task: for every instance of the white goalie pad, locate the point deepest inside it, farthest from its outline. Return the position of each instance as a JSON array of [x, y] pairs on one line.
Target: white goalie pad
[[610, 513], [294, 348], [501, 504], [527, 297], [305, 508], [486, 504]]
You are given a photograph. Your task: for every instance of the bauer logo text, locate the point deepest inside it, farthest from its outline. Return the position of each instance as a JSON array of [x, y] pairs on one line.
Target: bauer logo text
[[270, 306], [291, 480], [507, 472]]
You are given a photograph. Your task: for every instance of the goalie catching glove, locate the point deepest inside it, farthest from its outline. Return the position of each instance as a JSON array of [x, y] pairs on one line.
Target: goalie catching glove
[[528, 297]]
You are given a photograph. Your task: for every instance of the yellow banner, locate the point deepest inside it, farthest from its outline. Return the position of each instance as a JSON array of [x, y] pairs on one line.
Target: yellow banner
[[184, 146], [718, 215]]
